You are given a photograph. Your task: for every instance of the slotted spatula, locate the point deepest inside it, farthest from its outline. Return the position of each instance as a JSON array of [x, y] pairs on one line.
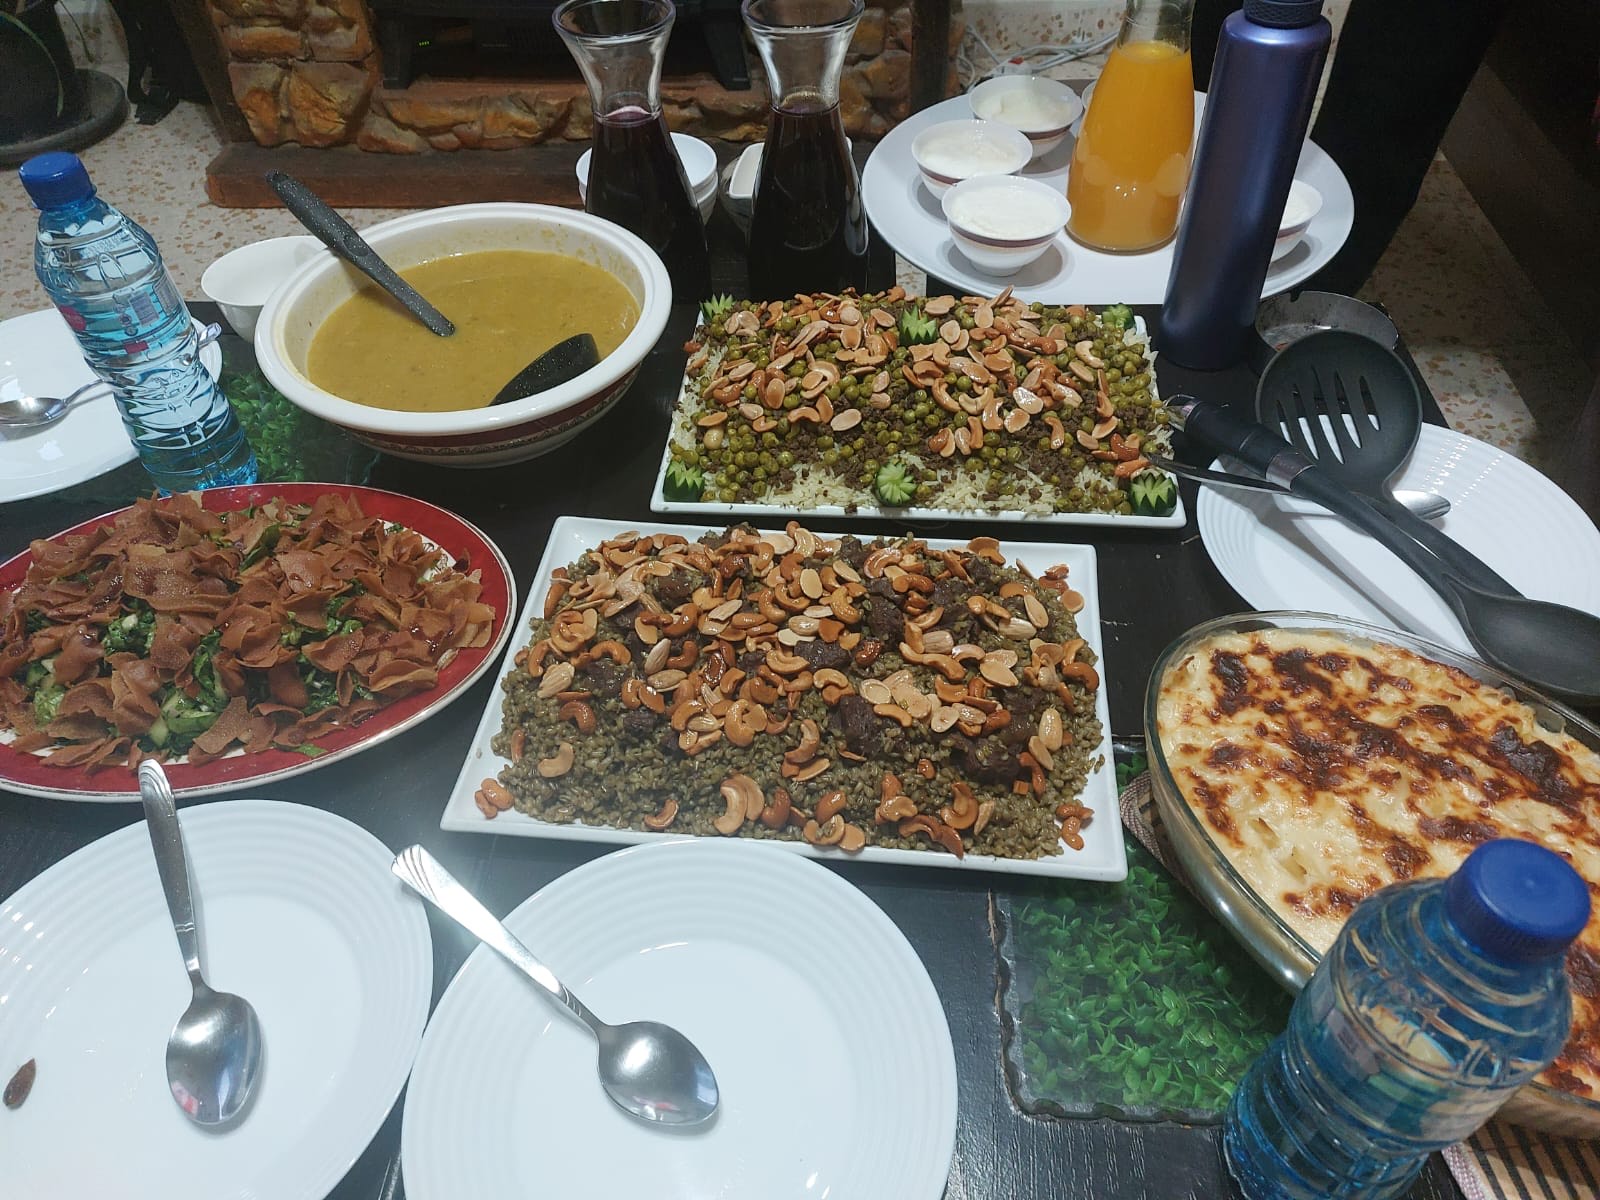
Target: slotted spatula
[[1352, 407]]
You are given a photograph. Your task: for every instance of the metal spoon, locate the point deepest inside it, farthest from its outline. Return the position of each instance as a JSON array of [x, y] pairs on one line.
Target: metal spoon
[[648, 1069], [1430, 506], [31, 412], [1552, 646], [1353, 408], [214, 1053]]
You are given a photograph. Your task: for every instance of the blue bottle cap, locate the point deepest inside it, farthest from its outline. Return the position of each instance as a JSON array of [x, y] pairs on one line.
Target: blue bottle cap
[[1517, 901], [56, 178], [1283, 14]]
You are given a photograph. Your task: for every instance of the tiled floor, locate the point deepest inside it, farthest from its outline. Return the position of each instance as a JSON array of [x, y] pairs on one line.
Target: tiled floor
[[1486, 342]]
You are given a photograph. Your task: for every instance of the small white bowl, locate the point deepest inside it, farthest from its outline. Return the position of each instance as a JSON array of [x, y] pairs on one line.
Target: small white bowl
[[989, 98], [241, 280], [699, 164], [1304, 203], [1002, 223], [951, 151]]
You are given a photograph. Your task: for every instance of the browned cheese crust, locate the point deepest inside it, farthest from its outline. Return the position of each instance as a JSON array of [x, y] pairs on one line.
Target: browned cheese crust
[[1325, 769]]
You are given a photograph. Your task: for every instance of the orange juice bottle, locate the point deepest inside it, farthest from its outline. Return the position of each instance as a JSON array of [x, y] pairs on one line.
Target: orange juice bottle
[[1131, 161]]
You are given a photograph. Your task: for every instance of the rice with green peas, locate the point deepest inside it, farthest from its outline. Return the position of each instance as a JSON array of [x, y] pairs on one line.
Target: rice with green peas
[[589, 746], [1004, 406]]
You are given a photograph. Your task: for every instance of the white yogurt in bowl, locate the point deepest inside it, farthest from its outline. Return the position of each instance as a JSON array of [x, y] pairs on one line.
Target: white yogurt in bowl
[[1042, 109], [951, 151], [1002, 223]]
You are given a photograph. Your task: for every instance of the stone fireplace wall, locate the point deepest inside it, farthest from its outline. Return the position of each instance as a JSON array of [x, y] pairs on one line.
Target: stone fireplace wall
[[308, 72]]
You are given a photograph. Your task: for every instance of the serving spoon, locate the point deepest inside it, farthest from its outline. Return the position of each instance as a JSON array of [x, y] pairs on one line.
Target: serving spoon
[[1351, 406], [650, 1070], [1430, 506], [32, 412], [214, 1053], [312, 211], [1552, 646]]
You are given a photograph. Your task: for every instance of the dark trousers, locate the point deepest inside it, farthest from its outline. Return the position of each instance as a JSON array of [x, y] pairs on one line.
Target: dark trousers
[[1399, 72]]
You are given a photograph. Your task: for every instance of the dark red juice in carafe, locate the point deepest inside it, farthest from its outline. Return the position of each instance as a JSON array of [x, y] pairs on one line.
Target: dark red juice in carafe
[[808, 232], [636, 180]]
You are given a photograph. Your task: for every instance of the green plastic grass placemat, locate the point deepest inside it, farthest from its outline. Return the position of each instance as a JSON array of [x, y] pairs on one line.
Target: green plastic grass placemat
[[1129, 1000]]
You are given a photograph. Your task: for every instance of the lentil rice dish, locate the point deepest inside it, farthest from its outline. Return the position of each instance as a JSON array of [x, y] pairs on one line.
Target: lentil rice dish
[[789, 686]]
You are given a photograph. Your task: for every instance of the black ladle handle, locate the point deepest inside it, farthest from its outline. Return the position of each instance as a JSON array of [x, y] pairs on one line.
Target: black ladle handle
[[337, 235], [1276, 460], [1461, 561]]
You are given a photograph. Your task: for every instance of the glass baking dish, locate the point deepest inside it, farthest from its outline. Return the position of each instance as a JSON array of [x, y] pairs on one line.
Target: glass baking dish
[[1286, 955]]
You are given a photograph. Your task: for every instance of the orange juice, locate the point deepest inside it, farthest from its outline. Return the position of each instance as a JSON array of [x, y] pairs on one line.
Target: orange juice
[[1131, 162]]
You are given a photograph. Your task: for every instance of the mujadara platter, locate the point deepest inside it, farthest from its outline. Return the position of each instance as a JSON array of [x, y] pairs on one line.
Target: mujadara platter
[[1101, 856]]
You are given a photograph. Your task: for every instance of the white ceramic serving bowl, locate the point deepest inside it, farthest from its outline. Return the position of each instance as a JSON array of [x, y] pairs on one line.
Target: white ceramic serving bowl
[[988, 97], [1003, 244], [477, 437], [699, 164], [949, 152], [1303, 205], [241, 280]]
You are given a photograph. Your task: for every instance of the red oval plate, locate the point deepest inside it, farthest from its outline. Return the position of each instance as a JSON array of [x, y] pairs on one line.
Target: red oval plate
[[465, 542]]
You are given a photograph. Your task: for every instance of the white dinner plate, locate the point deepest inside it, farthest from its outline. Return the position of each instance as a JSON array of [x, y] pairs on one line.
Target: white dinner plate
[[1102, 857], [39, 357], [300, 915], [907, 215], [830, 1046], [1287, 554]]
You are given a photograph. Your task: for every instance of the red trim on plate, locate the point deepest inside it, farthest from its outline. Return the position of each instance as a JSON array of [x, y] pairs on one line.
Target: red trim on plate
[[465, 542]]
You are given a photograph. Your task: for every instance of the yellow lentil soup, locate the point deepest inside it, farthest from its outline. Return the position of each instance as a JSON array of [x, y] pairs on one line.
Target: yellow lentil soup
[[508, 307]]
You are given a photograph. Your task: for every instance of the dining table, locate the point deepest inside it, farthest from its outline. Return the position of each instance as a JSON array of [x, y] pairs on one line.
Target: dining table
[[1153, 583]]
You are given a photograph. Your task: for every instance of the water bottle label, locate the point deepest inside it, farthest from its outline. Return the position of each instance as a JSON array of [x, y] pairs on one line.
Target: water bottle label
[[74, 319]]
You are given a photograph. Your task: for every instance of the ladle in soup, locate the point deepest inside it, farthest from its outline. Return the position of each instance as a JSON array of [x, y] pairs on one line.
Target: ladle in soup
[[337, 235]]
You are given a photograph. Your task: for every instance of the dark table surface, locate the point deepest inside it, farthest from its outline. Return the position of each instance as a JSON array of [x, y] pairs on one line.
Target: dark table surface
[[1153, 585]]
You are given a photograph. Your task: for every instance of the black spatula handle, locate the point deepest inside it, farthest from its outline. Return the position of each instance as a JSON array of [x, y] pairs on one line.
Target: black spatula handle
[[337, 235]]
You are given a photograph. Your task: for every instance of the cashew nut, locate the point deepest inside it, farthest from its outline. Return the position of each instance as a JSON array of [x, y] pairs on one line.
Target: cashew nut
[[668, 813], [810, 741], [962, 811], [495, 793], [829, 833], [748, 794], [776, 814], [579, 713], [558, 764], [730, 822], [830, 805]]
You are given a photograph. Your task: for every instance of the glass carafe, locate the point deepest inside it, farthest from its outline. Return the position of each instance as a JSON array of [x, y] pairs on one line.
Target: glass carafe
[[635, 177], [1131, 162], [808, 230]]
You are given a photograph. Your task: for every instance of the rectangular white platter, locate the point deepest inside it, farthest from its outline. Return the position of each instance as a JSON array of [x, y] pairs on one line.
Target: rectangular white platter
[[1102, 857], [727, 513]]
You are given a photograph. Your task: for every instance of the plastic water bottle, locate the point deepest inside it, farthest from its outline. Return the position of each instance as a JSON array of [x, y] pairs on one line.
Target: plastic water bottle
[[105, 276], [1438, 1000], [1263, 83]]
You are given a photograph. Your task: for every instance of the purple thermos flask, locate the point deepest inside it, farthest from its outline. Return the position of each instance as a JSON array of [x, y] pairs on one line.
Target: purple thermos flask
[[1269, 59]]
